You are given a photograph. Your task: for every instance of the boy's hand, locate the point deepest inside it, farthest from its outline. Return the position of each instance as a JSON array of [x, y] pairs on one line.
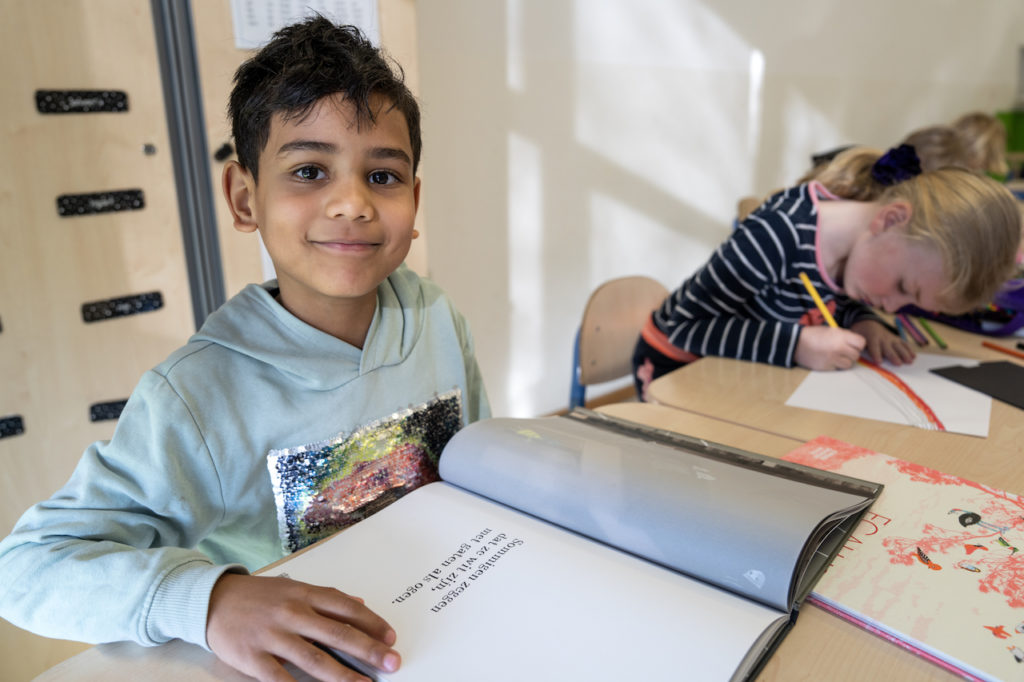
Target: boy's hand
[[255, 623], [883, 344], [826, 348]]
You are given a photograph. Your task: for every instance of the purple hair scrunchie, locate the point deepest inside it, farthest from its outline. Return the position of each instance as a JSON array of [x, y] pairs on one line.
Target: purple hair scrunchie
[[896, 165]]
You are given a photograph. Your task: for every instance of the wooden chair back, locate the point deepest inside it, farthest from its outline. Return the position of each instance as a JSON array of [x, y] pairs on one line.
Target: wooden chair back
[[612, 319]]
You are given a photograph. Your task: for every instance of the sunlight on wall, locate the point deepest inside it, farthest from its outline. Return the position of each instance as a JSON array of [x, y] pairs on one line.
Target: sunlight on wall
[[515, 69], [616, 227], [526, 280], [648, 147], [755, 103], [804, 126], [654, 80]]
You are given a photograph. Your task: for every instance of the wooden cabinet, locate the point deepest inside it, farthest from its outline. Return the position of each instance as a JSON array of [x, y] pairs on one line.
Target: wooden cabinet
[[116, 252], [119, 237]]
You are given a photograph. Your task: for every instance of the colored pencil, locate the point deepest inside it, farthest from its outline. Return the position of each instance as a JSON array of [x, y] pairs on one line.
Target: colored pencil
[[1008, 351], [817, 300], [901, 329], [931, 332], [912, 329]]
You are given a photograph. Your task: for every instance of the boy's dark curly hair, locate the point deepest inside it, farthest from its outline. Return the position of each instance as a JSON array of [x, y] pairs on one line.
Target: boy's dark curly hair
[[302, 64]]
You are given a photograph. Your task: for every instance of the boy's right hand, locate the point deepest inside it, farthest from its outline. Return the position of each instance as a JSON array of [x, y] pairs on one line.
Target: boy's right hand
[[255, 623], [828, 348]]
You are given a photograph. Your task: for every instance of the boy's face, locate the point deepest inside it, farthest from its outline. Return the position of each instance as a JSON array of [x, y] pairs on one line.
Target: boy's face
[[335, 205], [888, 270]]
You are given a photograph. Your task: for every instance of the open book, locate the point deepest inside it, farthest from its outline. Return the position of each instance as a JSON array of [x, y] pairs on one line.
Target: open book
[[936, 566], [589, 548]]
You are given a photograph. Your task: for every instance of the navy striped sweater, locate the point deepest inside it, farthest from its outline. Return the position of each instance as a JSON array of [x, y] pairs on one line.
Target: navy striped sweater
[[748, 302]]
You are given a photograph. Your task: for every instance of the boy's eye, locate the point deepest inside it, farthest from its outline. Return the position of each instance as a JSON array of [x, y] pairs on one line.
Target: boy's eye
[[382, 177], [309, 173]]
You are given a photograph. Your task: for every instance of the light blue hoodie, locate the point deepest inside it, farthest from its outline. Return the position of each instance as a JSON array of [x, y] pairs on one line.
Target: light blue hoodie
[[222, 455]]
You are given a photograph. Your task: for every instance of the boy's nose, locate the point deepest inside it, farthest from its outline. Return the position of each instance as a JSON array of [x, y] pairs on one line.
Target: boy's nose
[[350, 200]]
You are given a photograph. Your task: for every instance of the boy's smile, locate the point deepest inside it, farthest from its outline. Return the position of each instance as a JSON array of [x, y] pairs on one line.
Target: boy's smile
[[335, 204]]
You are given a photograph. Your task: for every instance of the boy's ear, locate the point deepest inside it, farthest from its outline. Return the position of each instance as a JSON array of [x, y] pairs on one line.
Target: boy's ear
[[240, 190]]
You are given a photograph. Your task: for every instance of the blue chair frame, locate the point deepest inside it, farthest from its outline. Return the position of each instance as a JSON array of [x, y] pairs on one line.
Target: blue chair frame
[[577, 391]]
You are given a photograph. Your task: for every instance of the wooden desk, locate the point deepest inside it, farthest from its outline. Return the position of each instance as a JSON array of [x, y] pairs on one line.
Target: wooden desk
[[820, 646], [754, 395]]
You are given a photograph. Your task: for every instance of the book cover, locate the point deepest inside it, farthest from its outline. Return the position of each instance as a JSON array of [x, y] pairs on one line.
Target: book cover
[[936, 565]]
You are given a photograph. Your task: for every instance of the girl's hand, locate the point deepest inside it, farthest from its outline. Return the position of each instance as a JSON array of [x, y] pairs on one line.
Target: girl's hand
[[827, 348], [882, 344]]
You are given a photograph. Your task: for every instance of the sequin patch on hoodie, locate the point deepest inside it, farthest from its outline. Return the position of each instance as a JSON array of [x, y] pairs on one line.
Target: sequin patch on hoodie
[[323, 487]]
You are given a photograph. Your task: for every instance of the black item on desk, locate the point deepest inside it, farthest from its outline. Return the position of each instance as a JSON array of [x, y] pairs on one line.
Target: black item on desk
[[1003, 380]]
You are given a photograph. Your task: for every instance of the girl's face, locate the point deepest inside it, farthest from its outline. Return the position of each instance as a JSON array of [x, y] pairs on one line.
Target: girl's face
[[887, 270]]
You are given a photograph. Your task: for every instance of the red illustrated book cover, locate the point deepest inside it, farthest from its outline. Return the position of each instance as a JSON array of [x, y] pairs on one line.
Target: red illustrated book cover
[[936, 565]]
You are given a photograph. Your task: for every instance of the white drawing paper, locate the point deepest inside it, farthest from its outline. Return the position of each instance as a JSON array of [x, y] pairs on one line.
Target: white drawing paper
[[864, 392]]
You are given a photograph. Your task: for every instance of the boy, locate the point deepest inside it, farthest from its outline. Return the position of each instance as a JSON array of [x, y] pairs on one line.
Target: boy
[[301, 406]]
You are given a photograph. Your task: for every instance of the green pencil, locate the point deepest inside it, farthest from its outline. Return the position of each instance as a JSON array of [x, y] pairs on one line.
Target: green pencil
[[931, 332]]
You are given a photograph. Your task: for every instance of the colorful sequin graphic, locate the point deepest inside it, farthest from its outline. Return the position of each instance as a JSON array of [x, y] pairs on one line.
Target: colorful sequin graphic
[[323, 487]]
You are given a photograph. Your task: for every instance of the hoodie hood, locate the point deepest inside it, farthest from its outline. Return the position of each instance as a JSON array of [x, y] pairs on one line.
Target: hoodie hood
[[257, 326]]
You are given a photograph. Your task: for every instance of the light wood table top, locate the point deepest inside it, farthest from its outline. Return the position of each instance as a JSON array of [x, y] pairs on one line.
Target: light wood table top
[[820, 646], [754, 395]]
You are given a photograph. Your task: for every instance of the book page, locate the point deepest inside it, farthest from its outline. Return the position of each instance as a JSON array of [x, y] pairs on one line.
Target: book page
[[477, 591], [733, 526]]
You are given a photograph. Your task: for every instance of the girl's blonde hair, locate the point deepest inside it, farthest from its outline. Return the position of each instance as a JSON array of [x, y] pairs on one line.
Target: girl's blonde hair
[[984, 140], [848, 176], [974, 222]]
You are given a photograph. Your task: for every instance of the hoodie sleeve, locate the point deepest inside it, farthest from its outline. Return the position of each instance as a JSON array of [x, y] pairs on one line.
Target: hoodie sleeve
[[108, 557]]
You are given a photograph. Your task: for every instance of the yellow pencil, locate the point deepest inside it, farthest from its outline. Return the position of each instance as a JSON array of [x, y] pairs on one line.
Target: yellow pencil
[[817, 300]]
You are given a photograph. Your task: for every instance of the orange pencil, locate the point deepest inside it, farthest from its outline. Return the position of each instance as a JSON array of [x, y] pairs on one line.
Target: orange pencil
[[1004, 349]]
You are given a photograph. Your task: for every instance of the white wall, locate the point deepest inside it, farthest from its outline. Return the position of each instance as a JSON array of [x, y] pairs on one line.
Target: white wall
[[569, 142]]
